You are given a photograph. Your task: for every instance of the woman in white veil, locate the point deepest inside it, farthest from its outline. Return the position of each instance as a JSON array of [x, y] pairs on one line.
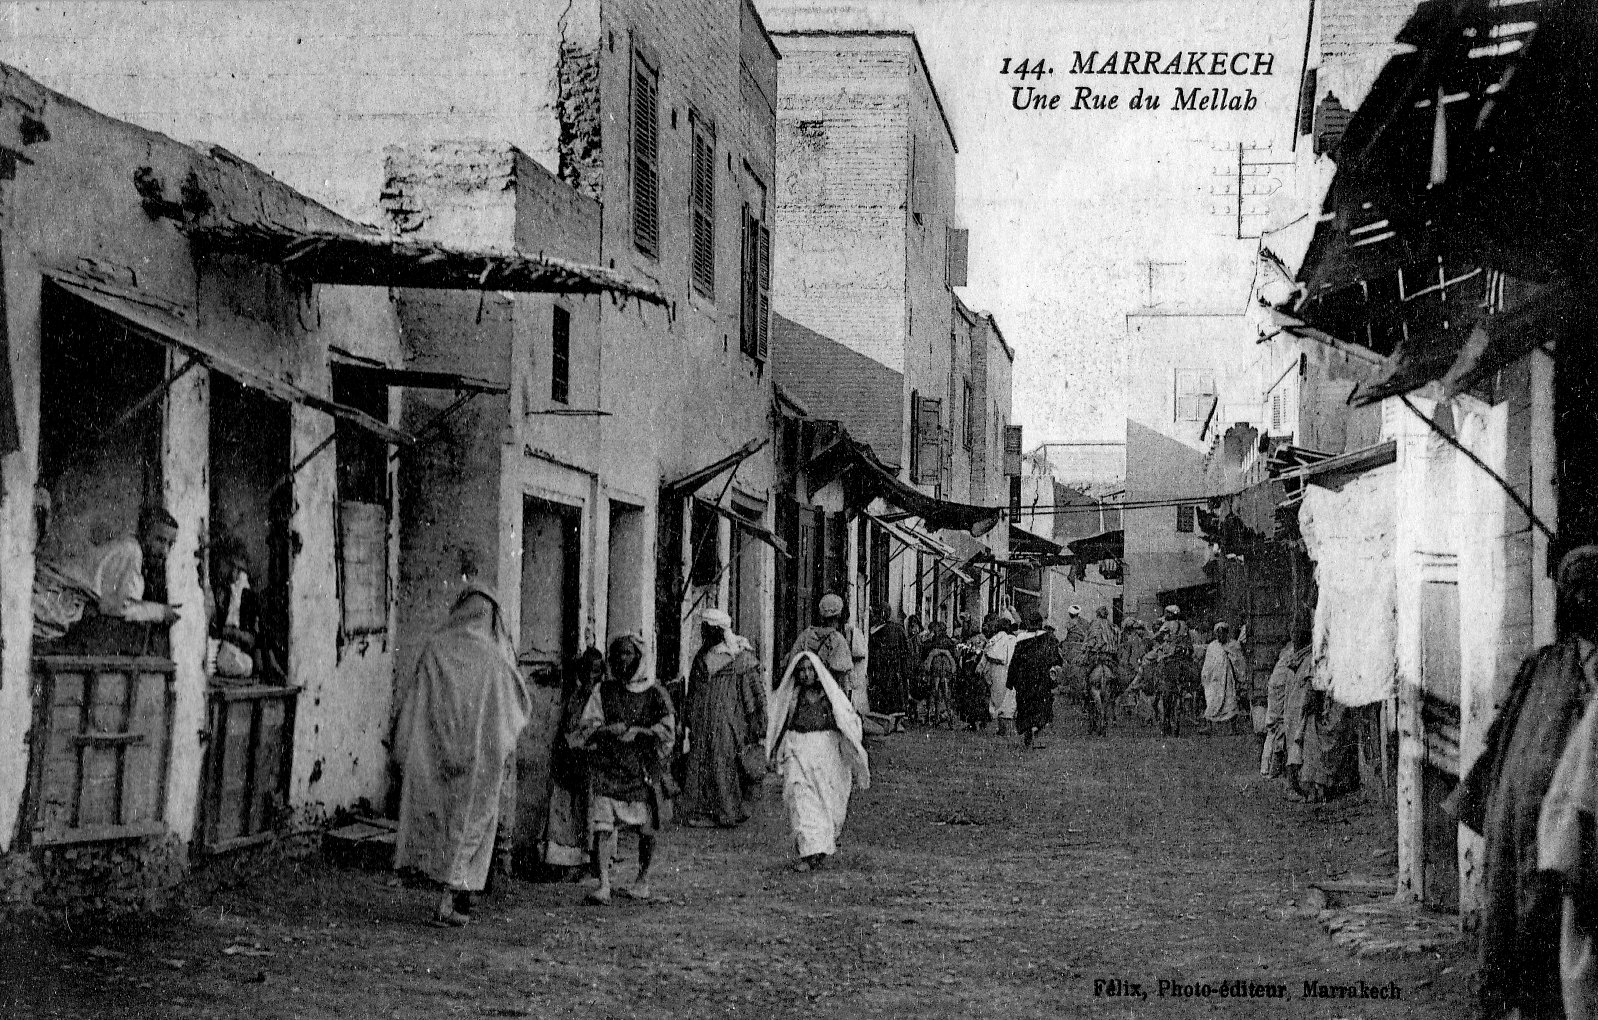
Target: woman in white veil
[[813, 735]]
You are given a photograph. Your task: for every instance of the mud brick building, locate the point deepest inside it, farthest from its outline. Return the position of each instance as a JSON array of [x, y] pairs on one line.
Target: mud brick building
[[168, 351], [613, 472], [868, 255]]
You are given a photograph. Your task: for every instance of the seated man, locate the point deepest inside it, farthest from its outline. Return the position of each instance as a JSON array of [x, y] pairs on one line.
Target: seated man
[[236, 613], [118, 569], [123, 622]]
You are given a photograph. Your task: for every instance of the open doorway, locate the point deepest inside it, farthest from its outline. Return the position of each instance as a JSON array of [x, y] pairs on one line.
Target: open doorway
[[625, 576], [247, 548], [551, 559], [746, 584], [250, 704], [546, 647]]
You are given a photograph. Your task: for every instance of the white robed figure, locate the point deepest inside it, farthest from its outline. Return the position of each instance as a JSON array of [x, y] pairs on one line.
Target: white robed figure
[[456, 740], [1224, 666], [813, 735]]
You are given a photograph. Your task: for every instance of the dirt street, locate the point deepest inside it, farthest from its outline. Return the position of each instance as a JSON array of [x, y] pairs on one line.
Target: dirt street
[[976, 879]]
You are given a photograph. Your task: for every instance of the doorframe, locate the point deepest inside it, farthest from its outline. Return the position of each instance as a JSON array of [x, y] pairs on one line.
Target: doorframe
[[574, 513]]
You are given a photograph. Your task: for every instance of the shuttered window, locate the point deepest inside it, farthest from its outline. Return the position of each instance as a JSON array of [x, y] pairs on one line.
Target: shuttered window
[[1195, 393], [969, 422], [702, 201], [748, 286], [1184, 517], [754, 337], [560, 356], [956, 254], [763, 284], [646, 156], [1012, 450], [928, 440]]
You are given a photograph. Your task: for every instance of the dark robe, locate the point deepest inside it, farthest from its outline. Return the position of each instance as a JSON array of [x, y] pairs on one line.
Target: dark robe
[[887, 667], [970, 689], [566, 838], [1501, 797], [1032, 682], [726, 715]]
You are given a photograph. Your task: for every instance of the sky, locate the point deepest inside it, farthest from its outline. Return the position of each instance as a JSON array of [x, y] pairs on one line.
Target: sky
[[1078, 217]]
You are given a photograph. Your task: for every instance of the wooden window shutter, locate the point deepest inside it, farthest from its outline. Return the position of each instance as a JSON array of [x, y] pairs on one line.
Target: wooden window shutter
[[1184, 517], [929, 440], [968, 420], [702, 198], [956, 254], [763, 305], [915, 434], [646, 157], [1012, 450], [805, 565], [748, 296]]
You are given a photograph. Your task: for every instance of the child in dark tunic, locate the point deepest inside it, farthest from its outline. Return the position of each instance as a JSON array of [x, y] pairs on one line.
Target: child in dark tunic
[[629, 729]]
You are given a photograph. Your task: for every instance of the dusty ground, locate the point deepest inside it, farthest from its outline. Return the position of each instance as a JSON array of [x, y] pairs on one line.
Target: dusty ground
[[977, 879]]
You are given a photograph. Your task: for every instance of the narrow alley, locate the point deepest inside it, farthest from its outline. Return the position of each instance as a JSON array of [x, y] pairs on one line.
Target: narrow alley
[[974, 879]]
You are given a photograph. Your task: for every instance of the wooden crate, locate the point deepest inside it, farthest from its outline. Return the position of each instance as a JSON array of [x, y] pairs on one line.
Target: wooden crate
[[101, 747]]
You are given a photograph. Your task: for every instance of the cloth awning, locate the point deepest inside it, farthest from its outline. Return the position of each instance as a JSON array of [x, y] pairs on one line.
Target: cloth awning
[[373, 259], [1194, 600], [164, 324], [694, 479], [1036, 549], [1106, 545], [910, 538], [958, 571], [754, 528], [865, 478], [916, 540]]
